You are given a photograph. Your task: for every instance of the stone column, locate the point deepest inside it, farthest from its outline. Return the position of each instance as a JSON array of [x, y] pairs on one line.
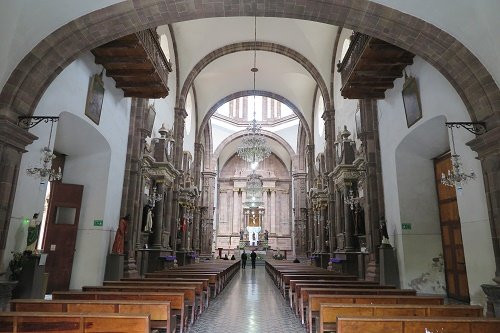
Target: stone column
[[338, 221], [310, 227], [158, 216], [174, 224], [273, 212], [487, 147], [179, 123], [347, 223], [196, 229], [236, 213], [322, 224], [13, 141], [311, 174], [167, 229]]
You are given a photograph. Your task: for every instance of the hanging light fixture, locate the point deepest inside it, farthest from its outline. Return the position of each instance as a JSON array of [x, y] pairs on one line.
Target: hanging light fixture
[[455, 176], [45, 172], [254, 148]]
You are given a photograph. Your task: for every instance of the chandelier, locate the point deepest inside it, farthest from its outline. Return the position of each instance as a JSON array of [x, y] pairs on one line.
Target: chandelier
[[254, 185], [46, 172], [455, 176], [254, 148]]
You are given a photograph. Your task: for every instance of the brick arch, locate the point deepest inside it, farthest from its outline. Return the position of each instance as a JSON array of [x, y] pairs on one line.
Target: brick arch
[[250, 46], [45, 61], [244, 93]]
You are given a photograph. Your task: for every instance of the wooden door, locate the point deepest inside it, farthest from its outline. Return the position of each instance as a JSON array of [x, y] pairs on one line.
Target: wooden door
[[60, 235], [451, 233]]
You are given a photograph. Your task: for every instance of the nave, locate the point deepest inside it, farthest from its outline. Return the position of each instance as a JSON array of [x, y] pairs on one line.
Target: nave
[[250, 303]]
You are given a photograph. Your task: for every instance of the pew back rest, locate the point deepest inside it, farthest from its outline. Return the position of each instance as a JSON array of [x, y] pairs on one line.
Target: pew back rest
[[315, 301], [23, 322], [157, 310], [189, 292], [417, 325]]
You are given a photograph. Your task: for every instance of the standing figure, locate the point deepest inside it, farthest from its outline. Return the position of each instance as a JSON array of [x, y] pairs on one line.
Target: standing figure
[[118, 245], [266, 235], [244, 259], [253, 256], [241, 234], [33, 231]]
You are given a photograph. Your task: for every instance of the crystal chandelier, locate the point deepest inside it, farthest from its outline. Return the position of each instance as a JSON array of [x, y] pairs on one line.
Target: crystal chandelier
[[254, 148], [254, 191], [45, 172], [455, 176]]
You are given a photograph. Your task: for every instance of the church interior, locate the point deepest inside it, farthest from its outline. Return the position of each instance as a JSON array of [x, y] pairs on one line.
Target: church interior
[[348, 150]]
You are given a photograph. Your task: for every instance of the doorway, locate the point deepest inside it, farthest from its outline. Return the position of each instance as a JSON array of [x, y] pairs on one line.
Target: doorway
[[454, 260], [60, 233]]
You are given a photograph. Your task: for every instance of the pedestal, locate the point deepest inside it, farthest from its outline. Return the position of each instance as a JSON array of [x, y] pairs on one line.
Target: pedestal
[[31, 282], [493, 293], [6, 288], [151, 260], [114, 267], [321, 260], [184, 258], [389, 272], [353, 263]]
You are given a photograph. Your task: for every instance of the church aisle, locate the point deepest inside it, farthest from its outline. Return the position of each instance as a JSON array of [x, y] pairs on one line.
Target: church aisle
[[251, 303]]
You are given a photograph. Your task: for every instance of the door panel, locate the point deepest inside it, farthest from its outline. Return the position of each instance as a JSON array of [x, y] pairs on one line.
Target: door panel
[[60, 235], [451, 232]]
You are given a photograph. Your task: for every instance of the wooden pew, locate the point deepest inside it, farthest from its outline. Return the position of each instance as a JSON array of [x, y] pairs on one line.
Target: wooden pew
[[213, 278], [205, 283], [330, 312], [305, 292], [291, 289], [159, 312], [176, 299], [315, 302], [417, 325], [189, 294], [43, 322], [328, 285], [287, 277]]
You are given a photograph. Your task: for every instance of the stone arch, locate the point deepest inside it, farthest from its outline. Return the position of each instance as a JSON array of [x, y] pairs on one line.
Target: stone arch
[[250, 46], [460, 66], [267, 134], [245, 93]]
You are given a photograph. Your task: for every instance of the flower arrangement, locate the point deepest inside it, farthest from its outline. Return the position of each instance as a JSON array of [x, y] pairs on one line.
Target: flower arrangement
[[335, 260], [170, 258]]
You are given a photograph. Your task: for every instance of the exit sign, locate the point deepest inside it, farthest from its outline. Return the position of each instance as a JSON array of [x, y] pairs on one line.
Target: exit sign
[[406, 226], [98, 223]]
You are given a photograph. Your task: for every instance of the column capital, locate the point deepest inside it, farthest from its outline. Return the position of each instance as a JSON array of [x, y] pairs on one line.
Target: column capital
[[181, 112], [14, 136], [486, 144]]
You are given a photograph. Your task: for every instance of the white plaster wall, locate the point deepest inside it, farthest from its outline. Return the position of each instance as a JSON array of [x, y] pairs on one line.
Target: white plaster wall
[[165, 106], [438, 98], [318, 126], [345, 109], [289, 134], [86, 164], [474, 23], [190, 125]]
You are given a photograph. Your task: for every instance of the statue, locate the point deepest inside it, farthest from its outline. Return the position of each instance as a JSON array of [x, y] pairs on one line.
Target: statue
[[266, 235], [241, 234], [33, 232], [118, 245]]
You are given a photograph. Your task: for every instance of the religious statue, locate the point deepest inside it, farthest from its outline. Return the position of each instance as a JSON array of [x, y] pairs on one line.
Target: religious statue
[[266, 235], [241, 234], [383, 233], [33, 232], [118, 245], [148, 227]]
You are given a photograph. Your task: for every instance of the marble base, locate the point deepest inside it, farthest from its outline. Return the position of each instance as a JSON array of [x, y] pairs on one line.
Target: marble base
[[493, 293]]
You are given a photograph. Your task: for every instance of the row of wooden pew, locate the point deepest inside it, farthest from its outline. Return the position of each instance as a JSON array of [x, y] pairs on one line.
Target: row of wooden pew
[[167, 301], [329, 302]]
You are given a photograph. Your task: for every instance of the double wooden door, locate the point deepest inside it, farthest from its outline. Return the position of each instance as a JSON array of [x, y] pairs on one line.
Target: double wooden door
[[451, 233]]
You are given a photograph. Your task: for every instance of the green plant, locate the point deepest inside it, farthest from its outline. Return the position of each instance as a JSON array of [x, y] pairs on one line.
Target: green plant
[[16, 265]]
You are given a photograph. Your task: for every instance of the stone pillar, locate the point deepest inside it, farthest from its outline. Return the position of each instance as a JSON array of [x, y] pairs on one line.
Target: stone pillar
[[310, 227], [236, 213], [338, 221], [179, 123], [347, 223], [167, 229], [207, 201], [272, 212], [132, 184], [158, 216], [174, 224], [322, 225], [487, 147], [310, 165], [13, 141]]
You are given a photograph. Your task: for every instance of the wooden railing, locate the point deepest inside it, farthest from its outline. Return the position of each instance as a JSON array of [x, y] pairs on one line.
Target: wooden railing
[[358, 44], [149, 40]]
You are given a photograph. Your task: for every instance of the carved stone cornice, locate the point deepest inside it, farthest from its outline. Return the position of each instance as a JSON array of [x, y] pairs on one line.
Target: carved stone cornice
[[345, 175], [15, 136], [159, 171]]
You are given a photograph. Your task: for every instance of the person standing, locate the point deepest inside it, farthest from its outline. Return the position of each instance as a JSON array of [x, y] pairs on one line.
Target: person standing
[[253, 256], [244, 259]]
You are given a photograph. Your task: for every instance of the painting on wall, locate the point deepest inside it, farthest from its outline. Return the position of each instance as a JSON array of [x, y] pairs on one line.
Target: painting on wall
[[411, 101], [95, 96]]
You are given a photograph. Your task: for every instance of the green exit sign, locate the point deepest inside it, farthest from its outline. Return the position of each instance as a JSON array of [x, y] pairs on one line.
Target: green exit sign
[[406, 226], [98, 223]]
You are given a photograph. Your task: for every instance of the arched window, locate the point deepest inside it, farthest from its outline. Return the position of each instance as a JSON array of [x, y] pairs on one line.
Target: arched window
[[320, 109], [189, 111], [164, 45]]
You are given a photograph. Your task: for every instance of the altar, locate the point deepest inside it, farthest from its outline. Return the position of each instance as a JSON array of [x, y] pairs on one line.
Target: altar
[[253, 223]]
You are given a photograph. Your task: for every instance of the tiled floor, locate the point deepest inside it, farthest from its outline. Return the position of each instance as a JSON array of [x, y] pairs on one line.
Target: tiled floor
[[251, 303]]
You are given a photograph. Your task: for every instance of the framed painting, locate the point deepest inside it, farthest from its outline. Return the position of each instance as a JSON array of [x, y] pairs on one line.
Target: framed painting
[[411, 101], [95, 96]]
